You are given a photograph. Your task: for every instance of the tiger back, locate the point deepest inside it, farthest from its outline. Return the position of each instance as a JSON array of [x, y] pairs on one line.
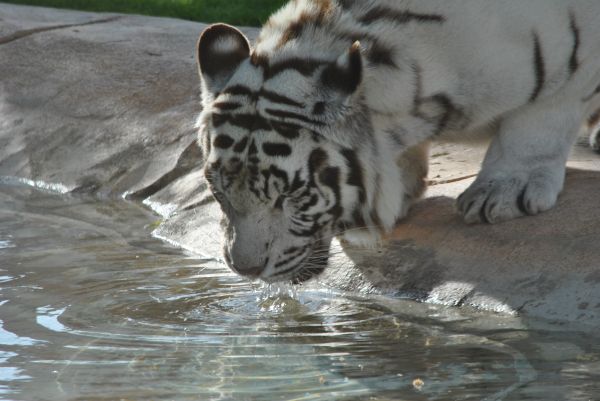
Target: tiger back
[[321, 128]]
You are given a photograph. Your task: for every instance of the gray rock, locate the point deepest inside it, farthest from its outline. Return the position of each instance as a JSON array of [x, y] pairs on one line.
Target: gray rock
[[98, 103], [106, 104]]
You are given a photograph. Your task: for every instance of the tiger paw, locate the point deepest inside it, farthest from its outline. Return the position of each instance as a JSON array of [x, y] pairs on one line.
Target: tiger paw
[[500, 198]]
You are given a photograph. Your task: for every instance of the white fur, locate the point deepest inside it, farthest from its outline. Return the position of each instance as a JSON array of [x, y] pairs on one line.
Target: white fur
[[457, 69], [481, 57]]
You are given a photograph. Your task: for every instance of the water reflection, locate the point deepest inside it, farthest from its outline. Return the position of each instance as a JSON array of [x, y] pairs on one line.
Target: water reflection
[[6, 243], [94, 309]]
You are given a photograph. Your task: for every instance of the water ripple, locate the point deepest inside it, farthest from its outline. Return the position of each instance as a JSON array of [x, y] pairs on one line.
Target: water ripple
[[93, 308]]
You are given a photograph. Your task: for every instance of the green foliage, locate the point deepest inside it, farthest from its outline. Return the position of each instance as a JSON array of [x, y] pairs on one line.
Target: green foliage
[[237, 12]]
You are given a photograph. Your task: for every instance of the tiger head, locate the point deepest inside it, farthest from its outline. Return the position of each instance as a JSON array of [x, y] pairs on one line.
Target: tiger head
[[291, 157]]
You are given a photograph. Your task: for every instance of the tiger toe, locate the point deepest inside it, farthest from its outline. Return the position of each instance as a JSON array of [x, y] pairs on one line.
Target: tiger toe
[[499, 199]]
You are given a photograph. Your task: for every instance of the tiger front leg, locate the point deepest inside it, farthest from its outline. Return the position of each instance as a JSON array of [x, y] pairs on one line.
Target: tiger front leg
[[524, 169]]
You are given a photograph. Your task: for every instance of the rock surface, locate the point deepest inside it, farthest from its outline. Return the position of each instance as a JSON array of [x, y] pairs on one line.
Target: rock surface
[[106, 104]]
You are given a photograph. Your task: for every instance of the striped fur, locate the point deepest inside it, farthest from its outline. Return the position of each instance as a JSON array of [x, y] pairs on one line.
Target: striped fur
[[321, 128]]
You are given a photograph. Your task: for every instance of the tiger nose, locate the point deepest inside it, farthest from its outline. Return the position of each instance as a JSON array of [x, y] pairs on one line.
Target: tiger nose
[[252, 272], [242, 269]]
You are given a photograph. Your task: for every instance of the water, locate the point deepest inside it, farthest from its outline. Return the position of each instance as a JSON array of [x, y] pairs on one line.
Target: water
[[93, 308]]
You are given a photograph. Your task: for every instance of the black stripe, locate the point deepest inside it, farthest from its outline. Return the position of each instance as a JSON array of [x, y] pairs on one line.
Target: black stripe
[[239, 90], [297, 182], [255, 192], [295, 116], [376, 52], [449, 113], [591, 95], [330, 176], [304, 66], [219, 119], [336, 211], [347, 78], [379, 54], [278, 98], [306, 218], [400, 17], [293, 250], [282, 176], [539, 67], [301, 219], [312, 201], [266, 175], [293, 30], [276, 149], [574, 60], [227, 105], [253, 149], [296, 255], [418, 72], [259, 60], [223, 141], [250, 122], [287, 130], [285, 262], [286, 271], [355, 173], [247, 121], [308, 232], [317, 158], [449, 110], [241, 145]]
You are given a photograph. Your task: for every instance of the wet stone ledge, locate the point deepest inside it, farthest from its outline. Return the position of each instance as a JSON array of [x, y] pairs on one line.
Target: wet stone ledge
[[106, 104]]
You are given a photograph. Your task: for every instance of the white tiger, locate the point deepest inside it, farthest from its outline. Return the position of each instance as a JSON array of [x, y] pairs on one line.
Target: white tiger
[[321, 128]]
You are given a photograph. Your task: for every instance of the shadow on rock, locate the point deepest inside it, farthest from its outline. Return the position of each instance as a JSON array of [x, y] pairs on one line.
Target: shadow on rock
[[546, 265]]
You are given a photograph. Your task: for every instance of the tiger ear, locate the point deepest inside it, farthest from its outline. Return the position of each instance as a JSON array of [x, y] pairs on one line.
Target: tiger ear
[[345, 74], [221, 49]]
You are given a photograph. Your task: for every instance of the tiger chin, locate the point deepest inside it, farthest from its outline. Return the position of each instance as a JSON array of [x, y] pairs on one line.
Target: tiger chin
[[321, 128]]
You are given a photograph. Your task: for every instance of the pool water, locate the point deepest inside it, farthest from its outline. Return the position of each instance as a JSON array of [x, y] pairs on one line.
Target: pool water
[[93, 308]]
